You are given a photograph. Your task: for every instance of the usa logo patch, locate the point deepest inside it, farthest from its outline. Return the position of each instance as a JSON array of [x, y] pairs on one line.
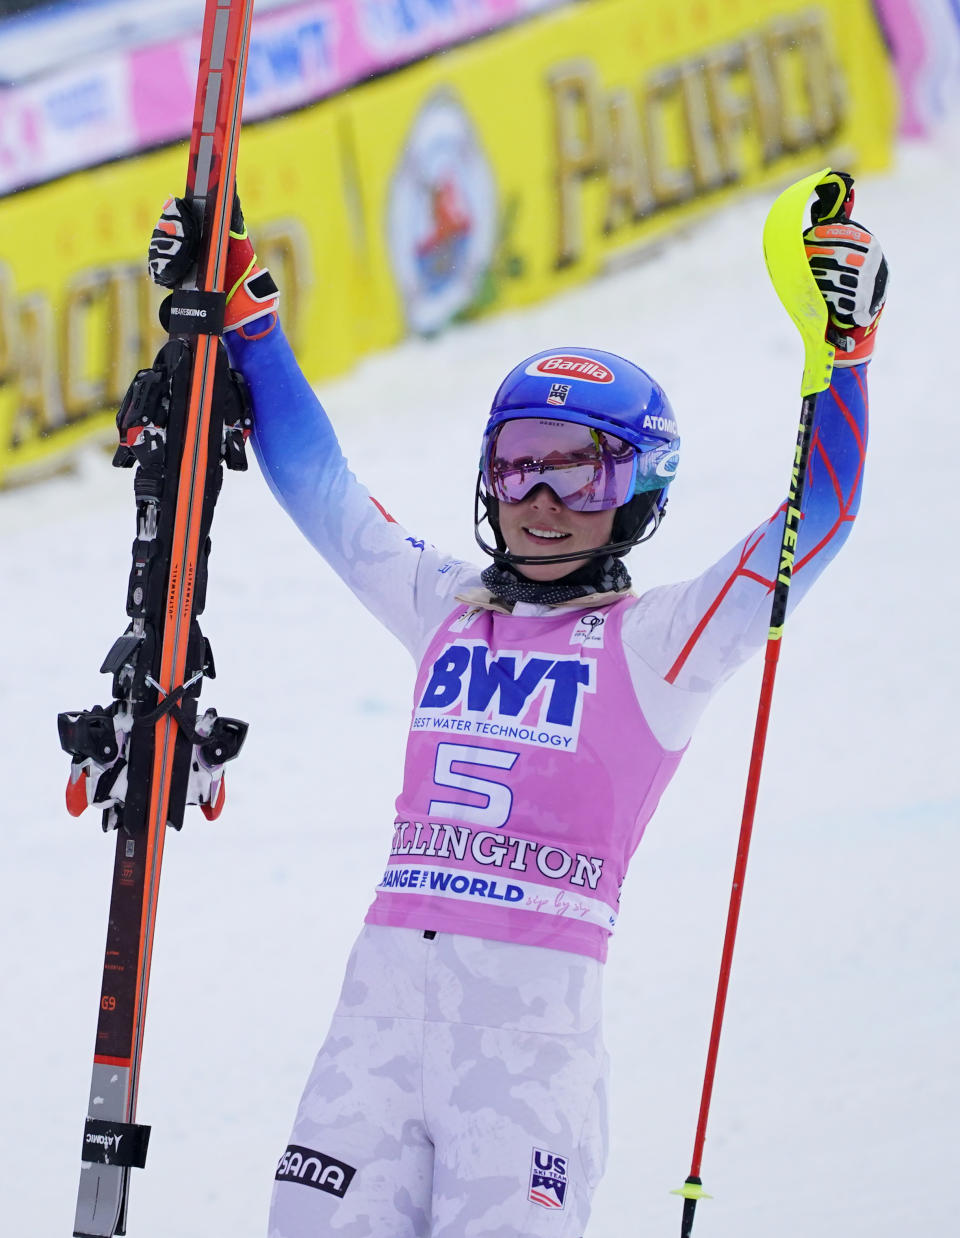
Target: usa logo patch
[[558, 393], [548, 1179]]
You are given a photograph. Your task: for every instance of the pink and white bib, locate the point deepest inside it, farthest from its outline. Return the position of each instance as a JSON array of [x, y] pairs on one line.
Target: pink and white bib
[[530, 775]]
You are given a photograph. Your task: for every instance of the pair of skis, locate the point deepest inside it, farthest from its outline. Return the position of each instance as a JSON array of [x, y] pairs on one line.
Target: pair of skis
[[147, 755]]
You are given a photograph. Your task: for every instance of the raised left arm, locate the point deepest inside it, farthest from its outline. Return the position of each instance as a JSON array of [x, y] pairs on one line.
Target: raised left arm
[[697, 633]]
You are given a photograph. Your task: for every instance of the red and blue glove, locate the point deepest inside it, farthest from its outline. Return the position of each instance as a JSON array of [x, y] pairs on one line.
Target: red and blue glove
[[250, 288]]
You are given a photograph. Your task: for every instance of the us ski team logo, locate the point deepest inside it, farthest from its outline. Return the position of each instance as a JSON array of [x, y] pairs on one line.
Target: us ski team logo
[[548, 1179]]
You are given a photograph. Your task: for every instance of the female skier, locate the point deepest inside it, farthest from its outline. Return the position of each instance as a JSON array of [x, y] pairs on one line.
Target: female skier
[[460, 1090]]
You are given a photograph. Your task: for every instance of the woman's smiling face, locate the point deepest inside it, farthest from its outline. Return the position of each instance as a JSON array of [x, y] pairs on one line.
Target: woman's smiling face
[[540, 524]]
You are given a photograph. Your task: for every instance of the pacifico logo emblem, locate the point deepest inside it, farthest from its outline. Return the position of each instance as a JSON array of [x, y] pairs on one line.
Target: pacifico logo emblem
[[443, 226], [310, 1168], [570, 365]]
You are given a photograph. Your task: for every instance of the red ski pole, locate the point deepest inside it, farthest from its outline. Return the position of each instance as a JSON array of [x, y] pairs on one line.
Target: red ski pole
[[795, 286]]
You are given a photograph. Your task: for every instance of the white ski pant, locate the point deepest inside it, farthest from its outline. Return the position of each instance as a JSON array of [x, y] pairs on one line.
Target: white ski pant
[[460, 1093]]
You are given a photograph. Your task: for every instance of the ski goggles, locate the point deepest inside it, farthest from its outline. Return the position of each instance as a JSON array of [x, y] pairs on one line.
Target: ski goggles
[[588, 470]]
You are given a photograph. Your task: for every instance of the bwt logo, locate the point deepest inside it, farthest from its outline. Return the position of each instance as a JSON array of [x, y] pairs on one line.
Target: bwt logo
[[310, 1168], [507, 685]]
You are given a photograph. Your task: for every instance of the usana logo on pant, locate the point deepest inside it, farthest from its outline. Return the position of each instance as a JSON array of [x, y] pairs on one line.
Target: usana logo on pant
[[314, 1169], [548, 1179]]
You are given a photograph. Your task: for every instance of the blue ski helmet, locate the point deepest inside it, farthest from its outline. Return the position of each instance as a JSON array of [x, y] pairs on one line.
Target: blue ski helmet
[[607, 393]]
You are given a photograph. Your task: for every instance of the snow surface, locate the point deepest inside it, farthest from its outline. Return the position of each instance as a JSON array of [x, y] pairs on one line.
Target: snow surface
[[836, 1098]]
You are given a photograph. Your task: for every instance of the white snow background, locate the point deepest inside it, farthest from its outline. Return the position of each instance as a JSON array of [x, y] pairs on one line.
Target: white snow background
[[836, 1098]]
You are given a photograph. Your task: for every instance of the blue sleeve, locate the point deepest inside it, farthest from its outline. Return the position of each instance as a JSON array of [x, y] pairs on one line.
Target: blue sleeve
[[293, 439], [835, 471]]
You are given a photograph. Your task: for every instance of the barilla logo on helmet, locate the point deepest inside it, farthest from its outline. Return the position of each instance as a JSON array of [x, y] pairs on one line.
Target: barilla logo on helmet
[[569, 365]]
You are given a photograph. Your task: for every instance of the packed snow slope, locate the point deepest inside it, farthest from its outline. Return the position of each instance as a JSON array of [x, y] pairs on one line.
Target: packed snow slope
[[837, 1092]]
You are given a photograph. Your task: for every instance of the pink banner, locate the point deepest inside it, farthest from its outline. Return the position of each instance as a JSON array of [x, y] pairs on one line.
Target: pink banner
[[131, 100], [924, 36]]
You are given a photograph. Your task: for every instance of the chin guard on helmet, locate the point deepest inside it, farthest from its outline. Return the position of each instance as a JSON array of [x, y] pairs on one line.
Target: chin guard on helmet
[[635, 522]]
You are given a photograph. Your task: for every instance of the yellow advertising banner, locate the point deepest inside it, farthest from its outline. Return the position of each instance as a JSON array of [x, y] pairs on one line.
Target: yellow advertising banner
[[495, 178], [78, 314], [489, 177]]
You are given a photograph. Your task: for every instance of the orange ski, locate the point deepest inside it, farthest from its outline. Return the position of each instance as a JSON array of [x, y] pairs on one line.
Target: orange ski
[[147, 755]]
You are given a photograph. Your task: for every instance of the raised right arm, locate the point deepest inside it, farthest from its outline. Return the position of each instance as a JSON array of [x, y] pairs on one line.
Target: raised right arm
[[407, 584]]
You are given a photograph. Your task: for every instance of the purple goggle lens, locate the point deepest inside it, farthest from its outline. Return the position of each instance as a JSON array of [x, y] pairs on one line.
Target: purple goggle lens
[[589, 470]]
